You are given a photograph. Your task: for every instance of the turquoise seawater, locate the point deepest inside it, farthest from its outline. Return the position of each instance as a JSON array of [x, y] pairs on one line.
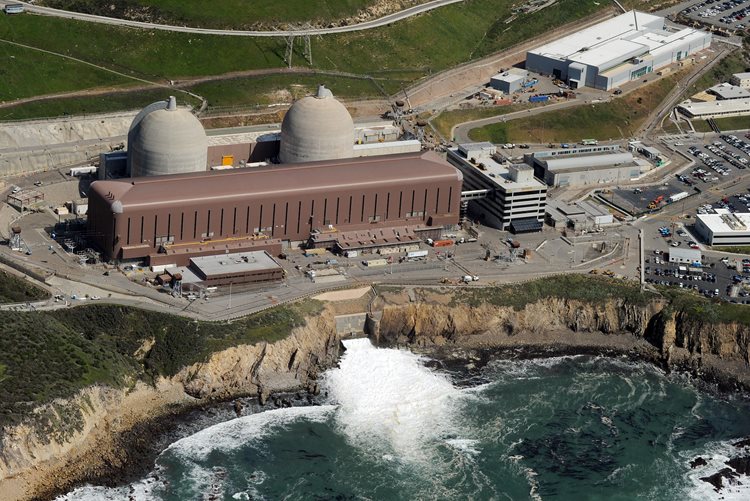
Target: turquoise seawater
[[564, 428]]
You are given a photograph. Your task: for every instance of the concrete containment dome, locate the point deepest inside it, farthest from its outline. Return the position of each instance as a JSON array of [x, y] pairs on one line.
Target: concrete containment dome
[[164, 139], [316, 128]]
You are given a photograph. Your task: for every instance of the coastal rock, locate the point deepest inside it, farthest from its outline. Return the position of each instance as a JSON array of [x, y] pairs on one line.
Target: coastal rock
[[740, 464], [699, 461], [95, 433]]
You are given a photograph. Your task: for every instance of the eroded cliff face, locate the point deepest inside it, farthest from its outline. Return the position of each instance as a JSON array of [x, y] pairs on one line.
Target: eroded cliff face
[[719, 351], [83, 437]]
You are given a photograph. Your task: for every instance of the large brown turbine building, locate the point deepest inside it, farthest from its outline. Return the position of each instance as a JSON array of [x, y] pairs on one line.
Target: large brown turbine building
[[169, 219]]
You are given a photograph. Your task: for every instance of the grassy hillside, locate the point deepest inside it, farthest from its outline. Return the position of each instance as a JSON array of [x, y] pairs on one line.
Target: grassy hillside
[[399, 54], [221, 13], [16, 290], [46, 355]]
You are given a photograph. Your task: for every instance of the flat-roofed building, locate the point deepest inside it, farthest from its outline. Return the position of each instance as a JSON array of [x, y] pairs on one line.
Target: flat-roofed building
[[503, 196], [724, 227], [729, 91], [509, 81], [584, 166], [684, 255], [236, 268], [615, 51], [169, 219], [741, 79], [715, 109]]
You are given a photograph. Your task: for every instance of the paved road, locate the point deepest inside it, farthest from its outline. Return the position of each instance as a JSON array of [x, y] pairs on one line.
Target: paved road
[[375, 23]]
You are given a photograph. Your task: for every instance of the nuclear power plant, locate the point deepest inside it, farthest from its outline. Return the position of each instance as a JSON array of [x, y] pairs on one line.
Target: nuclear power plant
[[165, 201]]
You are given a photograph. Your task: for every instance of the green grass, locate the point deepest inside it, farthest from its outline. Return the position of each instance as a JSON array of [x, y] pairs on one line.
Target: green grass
[[569, 286], [27, 72], [444, 122], [404, 51], [612, 120], [16, 290], [221, 13], [124, 100], [733, 249], [48, 355], [733, 123]]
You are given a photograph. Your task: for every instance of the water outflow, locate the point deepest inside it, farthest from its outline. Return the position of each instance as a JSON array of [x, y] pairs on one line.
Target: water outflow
[[390, 403]]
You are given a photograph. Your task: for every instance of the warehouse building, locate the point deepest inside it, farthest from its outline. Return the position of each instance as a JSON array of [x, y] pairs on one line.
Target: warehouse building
[[170, 218], [615, 51], [724, 227], [715, 109], [585, 166], [503, 196]]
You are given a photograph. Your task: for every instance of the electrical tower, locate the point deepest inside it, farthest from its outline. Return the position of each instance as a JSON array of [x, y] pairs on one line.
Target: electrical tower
[[298, 31]]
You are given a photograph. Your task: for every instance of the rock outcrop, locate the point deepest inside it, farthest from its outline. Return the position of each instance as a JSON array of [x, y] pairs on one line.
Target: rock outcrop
[[97, 431], [652, 330]]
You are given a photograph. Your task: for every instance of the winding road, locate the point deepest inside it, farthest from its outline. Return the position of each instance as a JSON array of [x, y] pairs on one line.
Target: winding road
[[375, 23]]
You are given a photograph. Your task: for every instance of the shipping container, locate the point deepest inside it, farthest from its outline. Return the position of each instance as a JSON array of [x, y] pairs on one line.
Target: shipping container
[[538, 99], [351, 253], [409, 248], [678, 196], [375, 262], [314, 252], [416, 254], [80, 171], [442, 243]]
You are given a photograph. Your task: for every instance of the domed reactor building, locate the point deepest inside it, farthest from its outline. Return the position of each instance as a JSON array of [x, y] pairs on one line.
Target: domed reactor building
[[320, 183], [316, 128], [164, 139]]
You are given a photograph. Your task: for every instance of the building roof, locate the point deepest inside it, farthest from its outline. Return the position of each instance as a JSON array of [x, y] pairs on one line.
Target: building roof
[[729, 91], [511, 76], [725, 221], [685, 253], [576, 45], [323, 176], [588, 162], [742, 76], [738, 106], [498, 174], [240, 262]]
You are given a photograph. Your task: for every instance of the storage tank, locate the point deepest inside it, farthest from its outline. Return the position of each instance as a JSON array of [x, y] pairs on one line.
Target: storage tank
[[316, 128], [165, 139]]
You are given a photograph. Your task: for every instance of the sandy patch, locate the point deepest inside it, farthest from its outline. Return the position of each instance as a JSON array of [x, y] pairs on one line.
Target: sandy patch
[[344, 295]]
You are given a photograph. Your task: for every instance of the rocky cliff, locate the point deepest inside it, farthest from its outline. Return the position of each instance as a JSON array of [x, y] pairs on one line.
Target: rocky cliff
[[94, 433], [652, 330]]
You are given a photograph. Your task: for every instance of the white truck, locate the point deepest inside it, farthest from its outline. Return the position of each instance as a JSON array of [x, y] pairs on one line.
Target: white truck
[[469, 278], [416, 254], [678, 196]]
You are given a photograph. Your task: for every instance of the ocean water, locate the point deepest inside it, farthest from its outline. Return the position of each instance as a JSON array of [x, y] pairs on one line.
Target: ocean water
[[564, 428]]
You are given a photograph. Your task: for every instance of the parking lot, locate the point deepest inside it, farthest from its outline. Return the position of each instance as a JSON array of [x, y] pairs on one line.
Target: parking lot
[[717, 278], [730, 15], [717, 160]]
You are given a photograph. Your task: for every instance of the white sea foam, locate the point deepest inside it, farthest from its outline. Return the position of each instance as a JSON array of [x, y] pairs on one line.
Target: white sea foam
[[716, 454], [234, 434], [390, 403]]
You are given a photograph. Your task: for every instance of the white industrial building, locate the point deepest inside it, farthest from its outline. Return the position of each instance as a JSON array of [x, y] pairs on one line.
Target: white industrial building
[[616, 51], [583, 215], [724, 227], [684, 255], [504, 196], [741, 79], [728, 91], [509, 81], [715, 109], [585, 166]]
